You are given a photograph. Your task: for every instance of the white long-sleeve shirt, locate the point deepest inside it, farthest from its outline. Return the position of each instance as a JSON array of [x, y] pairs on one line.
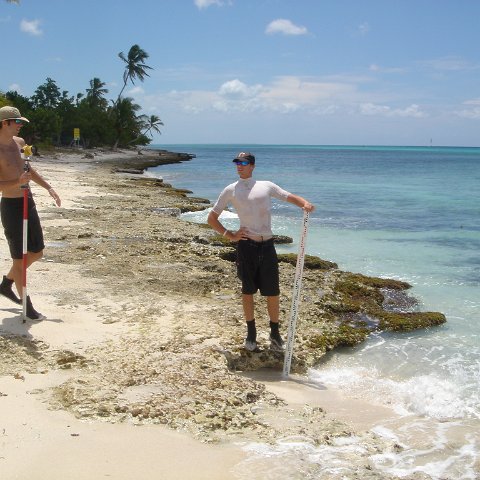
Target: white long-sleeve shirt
[[252, 201]]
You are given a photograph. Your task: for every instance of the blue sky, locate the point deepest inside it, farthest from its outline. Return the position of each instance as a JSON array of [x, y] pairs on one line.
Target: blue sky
[[328, 72]]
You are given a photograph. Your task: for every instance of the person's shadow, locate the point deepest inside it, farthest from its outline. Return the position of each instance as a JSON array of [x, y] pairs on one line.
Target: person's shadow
[[15, 326]]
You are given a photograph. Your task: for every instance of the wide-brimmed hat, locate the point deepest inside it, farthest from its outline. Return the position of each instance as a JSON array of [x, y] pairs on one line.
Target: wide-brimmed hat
[[11, 113], [245, 156]]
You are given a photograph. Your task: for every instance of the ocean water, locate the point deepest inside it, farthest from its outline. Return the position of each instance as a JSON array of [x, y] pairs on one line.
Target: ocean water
[[410, 213]]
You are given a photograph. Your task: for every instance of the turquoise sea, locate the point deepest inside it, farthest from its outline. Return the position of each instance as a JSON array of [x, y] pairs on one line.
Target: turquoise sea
[[410, 213]]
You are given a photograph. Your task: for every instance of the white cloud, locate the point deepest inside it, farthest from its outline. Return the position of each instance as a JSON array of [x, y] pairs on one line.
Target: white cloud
[[237, 89], [286, 95], [412, 111], [473, 114], [286, 27], [290, 90], [371, 109], [364, 28], [32, 27], [326, 110], [207, 3], [474, 101], [137, 90], [283, 95], [450, 63], [377, 68]]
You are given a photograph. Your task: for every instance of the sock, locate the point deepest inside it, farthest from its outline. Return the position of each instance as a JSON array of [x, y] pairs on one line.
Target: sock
[[274, 329], [251, 331], [7, 281], [6, 290]]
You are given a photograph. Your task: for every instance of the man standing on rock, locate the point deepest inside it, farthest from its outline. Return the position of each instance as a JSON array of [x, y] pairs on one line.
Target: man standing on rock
[[257, 262], [12, 177]]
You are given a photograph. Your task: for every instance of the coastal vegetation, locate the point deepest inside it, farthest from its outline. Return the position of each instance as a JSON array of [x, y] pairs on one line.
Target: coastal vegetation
[[55, 113]]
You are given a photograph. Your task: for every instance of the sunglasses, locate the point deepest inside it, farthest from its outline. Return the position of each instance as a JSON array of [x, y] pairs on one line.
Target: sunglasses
[[244, 163], [18, 121]]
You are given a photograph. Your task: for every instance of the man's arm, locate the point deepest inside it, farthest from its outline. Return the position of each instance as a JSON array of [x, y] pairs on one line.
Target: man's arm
[[38, 179], [300, 202], [219, 228]]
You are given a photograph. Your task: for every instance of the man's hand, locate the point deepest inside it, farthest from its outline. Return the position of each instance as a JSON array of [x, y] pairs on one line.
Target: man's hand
[[55, 196], [308, 207], [241, 234]]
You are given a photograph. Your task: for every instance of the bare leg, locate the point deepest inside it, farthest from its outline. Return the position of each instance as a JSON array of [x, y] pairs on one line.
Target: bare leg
[[273, 307], [16, 272], [248, 307]]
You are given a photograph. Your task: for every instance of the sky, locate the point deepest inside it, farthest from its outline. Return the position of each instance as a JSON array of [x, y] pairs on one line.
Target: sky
[[311, 72]]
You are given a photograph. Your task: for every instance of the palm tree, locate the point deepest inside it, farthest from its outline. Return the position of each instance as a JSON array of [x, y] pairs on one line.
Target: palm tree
[[96, 92], [151, 124], [135, 66], [126, 122]]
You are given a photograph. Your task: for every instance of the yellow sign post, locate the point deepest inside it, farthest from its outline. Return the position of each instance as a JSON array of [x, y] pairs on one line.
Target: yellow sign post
[[76, 137]]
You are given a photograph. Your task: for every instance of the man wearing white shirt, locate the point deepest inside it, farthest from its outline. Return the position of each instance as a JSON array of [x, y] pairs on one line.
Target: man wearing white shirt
[[257, 262]]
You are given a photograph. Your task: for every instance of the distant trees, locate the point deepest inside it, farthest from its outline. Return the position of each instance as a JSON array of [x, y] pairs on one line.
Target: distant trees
[[46, 95], [54, 113]]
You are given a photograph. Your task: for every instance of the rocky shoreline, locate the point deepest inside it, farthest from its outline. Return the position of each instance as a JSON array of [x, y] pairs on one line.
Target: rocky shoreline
[[173, 287]]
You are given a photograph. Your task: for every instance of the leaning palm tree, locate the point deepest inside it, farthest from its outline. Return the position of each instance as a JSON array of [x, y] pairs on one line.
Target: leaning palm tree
[[151, 124], [135, 66]]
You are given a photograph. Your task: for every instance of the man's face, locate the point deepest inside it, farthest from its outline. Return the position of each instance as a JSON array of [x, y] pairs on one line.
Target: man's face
[[244, 168], [13, 125]]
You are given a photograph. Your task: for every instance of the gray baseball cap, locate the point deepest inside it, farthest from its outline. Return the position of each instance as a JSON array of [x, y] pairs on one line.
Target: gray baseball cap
[[11, 113]]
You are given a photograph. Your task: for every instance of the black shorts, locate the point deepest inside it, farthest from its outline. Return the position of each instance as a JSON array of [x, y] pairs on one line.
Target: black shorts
[[11, 212], [257, 267]]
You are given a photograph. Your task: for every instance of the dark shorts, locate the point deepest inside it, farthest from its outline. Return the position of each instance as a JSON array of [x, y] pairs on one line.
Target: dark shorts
[[257, 267], [11, 211]]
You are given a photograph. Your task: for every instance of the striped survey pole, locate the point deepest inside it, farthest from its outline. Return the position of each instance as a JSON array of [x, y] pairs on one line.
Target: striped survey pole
[[297, 286], [27, 152]]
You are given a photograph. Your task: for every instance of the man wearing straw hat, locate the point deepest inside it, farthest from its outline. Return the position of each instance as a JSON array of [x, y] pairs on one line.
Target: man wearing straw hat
[[257, 261], [12, 177]]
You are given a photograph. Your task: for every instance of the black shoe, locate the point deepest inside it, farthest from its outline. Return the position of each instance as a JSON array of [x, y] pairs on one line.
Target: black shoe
[[32, 314], [6, 290], [277, 343]]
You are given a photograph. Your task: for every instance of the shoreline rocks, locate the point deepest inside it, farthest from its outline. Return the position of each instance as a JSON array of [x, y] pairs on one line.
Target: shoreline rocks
[[170, 284]]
